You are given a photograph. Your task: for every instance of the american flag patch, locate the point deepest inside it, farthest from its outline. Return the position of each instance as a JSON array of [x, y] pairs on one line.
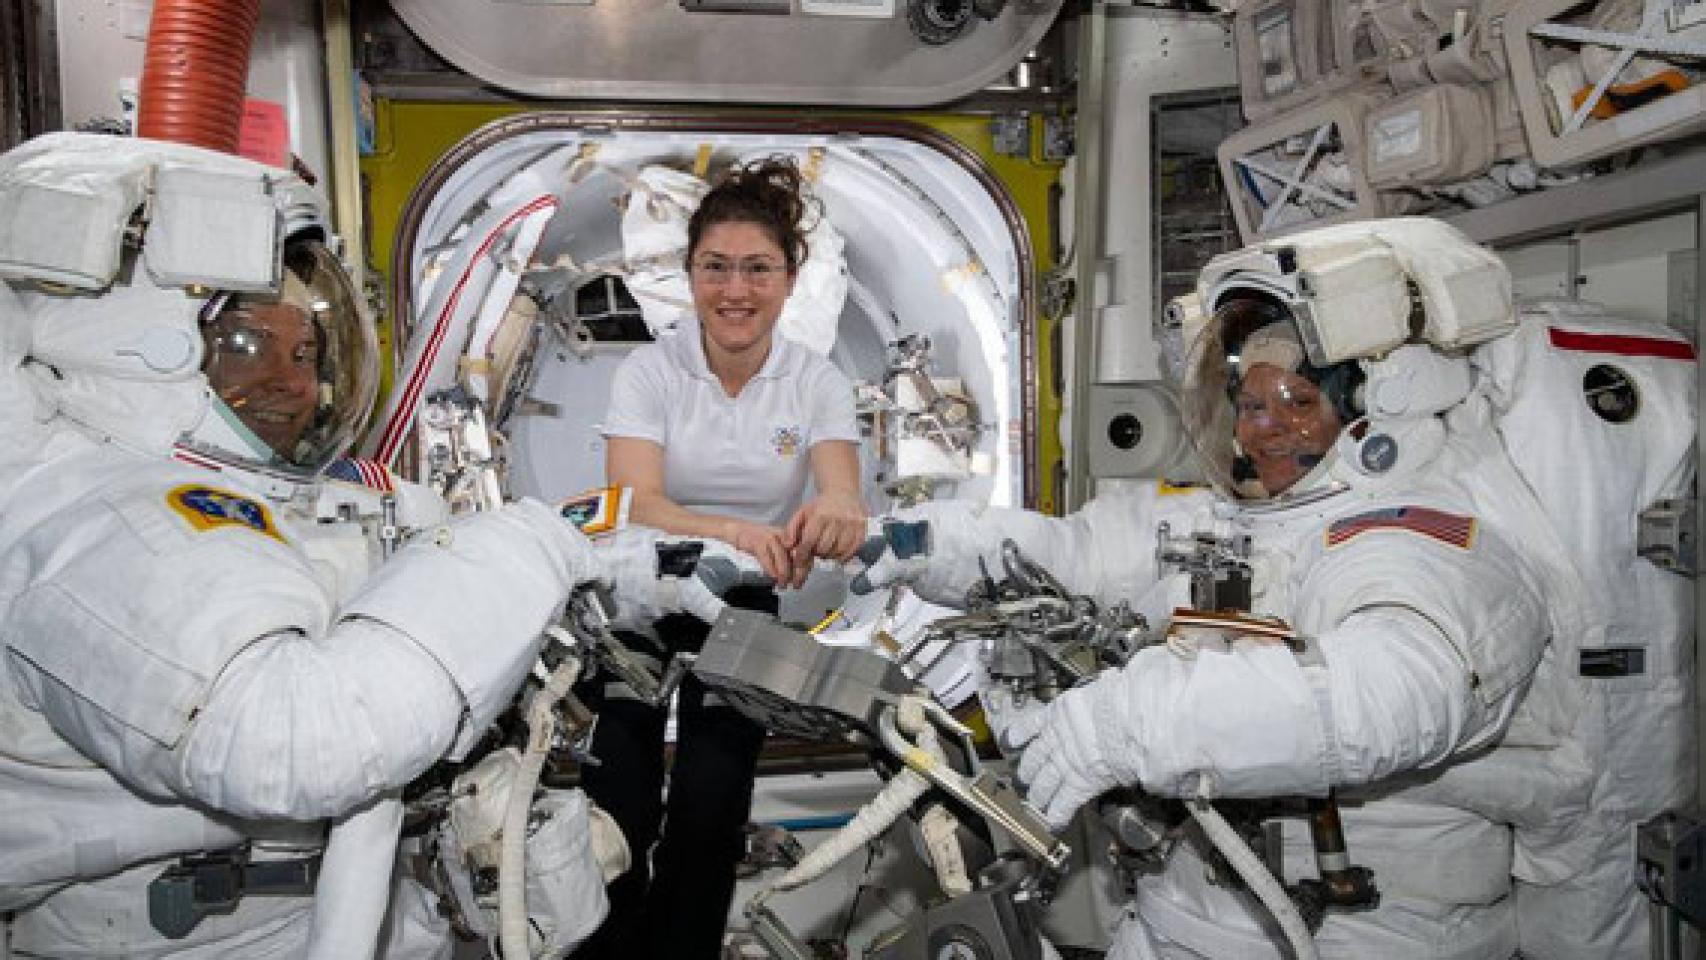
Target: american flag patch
[[367, 473], [1448, 528]]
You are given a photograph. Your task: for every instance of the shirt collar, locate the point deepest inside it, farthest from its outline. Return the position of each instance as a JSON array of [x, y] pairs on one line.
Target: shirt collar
[[691, 349]]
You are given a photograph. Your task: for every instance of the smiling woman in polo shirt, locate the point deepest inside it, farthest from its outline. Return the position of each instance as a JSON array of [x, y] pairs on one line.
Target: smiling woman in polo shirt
[[718, 429]]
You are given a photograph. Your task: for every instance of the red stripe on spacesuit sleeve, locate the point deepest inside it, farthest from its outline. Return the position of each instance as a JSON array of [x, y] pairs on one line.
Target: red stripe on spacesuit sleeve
[[1621, 344]]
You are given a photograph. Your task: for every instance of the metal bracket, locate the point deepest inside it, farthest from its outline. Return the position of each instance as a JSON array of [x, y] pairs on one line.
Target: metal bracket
[[1670, 867], [1011, 133], [1668, 536], [1219, 568]]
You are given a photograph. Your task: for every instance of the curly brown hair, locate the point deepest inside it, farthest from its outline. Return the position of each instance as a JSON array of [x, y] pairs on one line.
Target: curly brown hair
[[770, 194]]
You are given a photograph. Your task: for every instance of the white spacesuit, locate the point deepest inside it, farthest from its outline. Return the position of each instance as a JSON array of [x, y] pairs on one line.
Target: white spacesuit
[[1599, 416], [204, 657], [1438, 614]]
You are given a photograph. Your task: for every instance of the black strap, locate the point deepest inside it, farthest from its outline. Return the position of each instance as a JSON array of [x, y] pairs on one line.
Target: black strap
[[205, 884], [1606, 662]]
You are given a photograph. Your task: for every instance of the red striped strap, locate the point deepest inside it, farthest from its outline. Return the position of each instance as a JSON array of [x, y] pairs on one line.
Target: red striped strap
[[1622, 344]]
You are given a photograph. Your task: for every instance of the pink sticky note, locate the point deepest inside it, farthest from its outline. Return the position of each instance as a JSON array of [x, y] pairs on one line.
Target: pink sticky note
[[265, 133]]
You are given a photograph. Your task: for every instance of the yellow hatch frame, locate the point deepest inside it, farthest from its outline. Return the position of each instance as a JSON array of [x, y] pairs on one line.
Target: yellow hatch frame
[[411, 135]]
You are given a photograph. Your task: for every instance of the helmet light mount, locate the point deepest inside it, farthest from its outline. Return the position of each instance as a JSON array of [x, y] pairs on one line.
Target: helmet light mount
[[1360, 290]]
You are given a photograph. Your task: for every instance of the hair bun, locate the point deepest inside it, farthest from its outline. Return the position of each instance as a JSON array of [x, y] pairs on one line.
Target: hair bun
[[770, 192]]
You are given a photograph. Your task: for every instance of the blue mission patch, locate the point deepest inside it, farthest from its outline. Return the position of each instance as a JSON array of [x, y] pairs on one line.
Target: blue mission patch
[[207, 508]]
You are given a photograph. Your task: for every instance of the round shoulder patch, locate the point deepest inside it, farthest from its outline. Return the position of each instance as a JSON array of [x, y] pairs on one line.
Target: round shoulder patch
[[1379, 453], [209, 508]]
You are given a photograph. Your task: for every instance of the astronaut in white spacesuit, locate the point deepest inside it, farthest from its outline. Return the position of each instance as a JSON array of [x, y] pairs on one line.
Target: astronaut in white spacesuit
[[204, 657], [1331, 402]]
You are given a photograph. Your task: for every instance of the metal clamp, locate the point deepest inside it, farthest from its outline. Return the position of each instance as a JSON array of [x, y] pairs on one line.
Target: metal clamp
[[589, 618], [990, 796], [204, 885], [1670, 854], [1219, 567]]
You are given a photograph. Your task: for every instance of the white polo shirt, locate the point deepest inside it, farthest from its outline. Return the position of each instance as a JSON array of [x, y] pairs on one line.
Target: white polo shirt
[[743, 456]]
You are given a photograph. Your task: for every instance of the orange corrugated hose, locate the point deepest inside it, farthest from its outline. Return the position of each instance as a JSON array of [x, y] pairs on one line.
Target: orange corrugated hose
[[195, 71]]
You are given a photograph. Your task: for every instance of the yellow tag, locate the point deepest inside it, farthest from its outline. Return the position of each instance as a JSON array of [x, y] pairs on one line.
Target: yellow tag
[[598, 511], [827, 622], [702, 161], [207, 508], [813, 168], [1166, 488], [918, 760]]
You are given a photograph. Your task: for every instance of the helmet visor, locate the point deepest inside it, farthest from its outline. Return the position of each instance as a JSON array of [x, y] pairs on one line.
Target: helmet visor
[[1263, 421], [298, 369]]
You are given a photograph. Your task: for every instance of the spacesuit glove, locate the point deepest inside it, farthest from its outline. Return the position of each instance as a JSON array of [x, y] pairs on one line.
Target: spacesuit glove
[[721, 568], [934, 547], [1007, 714], [629, 563], [1067, 761]]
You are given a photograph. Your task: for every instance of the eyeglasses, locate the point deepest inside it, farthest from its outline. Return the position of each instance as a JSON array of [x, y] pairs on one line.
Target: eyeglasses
[[757, 273]]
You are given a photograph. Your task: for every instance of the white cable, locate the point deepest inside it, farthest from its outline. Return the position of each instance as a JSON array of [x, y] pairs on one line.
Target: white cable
[[1295, 182], [512, 863], [868, 824], [1256, 875], [874, 818]]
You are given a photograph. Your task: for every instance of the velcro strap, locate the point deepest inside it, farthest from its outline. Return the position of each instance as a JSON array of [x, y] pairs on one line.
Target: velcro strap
[[1609, 662]]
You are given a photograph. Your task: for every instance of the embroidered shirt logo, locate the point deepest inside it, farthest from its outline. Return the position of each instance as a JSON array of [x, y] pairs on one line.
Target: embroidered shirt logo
[[209, 509], [786, 440]]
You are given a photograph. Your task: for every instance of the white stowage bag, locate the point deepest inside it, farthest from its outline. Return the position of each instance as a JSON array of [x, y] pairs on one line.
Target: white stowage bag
[[654, 245], [813, 311], [569, 857]]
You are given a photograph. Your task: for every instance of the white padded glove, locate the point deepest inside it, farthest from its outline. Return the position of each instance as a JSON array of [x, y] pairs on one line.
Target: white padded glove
[[1066, 761], [933, 547], [1005, 715], [959, 542], [628, 564]]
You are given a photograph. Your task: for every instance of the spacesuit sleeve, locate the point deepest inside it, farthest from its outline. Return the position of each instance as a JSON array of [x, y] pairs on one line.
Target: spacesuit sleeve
[[1105, 550], [213, 665], [1417, 652]]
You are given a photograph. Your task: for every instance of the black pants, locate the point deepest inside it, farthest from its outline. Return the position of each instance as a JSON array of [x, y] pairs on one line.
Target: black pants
[[676, 905]]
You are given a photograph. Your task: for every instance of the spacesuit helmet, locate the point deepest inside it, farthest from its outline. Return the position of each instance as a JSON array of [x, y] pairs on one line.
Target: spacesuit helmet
[[181, 299], [293, 373], [1263, 420]]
